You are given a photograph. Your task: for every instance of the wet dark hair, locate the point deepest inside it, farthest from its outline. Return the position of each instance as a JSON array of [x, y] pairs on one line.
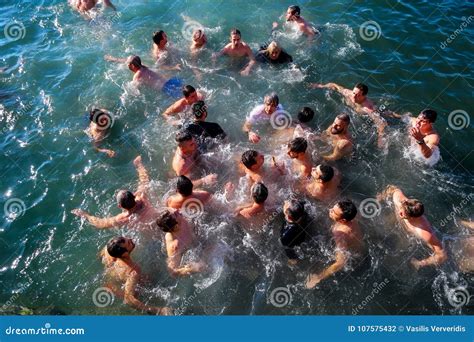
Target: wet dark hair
[[115, 248], [362, 87], [272, 98], [429, 114], [249, 158], [349, 210], [306, 114], [298, 145], [183, 136], [413, 208], [184, 186], [296, 209], [259, 192], [327, 172], [199, 108], [158, 37], [188, 90], [166, 221], [344, 117], [295, 10], [126, 199], [235, 31], [135, 61]]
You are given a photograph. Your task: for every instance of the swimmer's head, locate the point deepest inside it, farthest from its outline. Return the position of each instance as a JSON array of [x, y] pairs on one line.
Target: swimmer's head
[[199, 111], [270, 103], [199, 38], [167, 221], [322, 173], [426, 118], [294, 210], [126, 200], [297, 147], [340, 124], [259, 193], [344, 211], [252, 160], [184, 186], [101, 118], [235, 37], [120, 247], [186, 142], [134, 63], [190, 94], [359, 93], [160, 38], [412, 208], [274, 50], [305, 115], [293, 12]]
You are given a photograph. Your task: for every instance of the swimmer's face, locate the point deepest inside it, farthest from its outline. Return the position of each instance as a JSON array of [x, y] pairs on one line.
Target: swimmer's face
[[235, 40], [188, 146], [335, 213], [193, 97], [275, 54], [422, 122], [292, 155], [357, 95], [199, 38], [165, 39], [316, 173], [128, 244], [338, 126], [260, 160], [289, 15], [269, 107]]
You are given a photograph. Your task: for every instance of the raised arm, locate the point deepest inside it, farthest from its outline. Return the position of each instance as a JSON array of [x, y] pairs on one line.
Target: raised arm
[[332, 86], [102, 223], [388, 192], [113, 59], [143, 177], [336, 266]]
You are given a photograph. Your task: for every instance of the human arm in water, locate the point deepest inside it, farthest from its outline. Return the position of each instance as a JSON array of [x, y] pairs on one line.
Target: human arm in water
[[341, 149], [246, 70], [107, 151], [426, 144], [102, 223], [332, 86], [143, 177], [247, 128], [339, 263]]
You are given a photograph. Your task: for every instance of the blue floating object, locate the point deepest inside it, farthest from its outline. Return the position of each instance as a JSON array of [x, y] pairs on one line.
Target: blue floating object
[[173, 87]]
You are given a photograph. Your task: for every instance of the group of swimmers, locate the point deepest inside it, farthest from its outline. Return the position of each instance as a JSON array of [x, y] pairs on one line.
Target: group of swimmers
[[317, 181]]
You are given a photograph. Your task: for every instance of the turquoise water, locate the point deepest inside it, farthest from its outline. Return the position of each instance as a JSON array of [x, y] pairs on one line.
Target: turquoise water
[[56, 72]]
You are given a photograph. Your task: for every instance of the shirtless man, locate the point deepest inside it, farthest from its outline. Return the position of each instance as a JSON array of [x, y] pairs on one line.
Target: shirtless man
[[199, 41], [348, 238], [123, 272], [293, 16], [160, 51], [410, 213], [324, 182], [423, 133], [252, 163], [136, 207], [99, 127], [357, 99], [179, 238], [185, 192], [190, 96], [338, 134], [83, 6], [259, 195], [237, 48], [186, 158], [142, 74], [271, 106], [302, 160]]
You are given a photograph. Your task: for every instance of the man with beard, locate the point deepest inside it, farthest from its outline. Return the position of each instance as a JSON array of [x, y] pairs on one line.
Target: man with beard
[[340, 138]]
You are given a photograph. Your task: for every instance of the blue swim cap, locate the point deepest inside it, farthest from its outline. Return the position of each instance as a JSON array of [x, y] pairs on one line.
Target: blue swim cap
[[173, 87]]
